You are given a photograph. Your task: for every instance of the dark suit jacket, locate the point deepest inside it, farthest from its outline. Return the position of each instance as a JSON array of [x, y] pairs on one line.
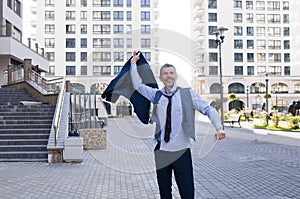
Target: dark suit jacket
[[122, 85]]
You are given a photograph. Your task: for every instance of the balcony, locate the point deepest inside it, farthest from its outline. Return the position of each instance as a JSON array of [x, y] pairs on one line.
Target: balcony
[[199, 12], [33, 10]]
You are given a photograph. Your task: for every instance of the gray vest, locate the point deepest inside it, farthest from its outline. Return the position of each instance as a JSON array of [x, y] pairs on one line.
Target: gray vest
[[188, 113]]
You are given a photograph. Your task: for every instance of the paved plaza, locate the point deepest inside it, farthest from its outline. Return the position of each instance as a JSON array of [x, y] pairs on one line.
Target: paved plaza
[[246, 164]]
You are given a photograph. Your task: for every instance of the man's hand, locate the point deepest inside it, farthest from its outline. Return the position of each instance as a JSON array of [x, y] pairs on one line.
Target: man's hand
[[135, 57], [220, 135]]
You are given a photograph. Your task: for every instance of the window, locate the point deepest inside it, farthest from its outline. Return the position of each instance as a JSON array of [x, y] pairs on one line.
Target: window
[[261, 70], [275, 70], [83, 56], [117, 69], [70, 3], [274, 18], [17, 7], [213, 70], [102, 3], [260, 31], [52, 70], [212, 4], [101, 56], [286, 44], [129, 3], [215, 88], [273, 5], [274, 31], [238, 70], [250, 57], [287, 57], [118, 43], [118, 56], [238, 17], [286, 5], [50, 56], [238, 57], [287, 70], [49, 15], [145, 16], [83, 42], [70, 43], [48, 2], [260, 5], [250, 44], [83, 70], [212, 17], [118, 29], [70, 56], [9, 4], [261, 44], [237, 4], [83, 29], [238, 30], [70, 70], [249, 5], [83, 15], [212, 43], [101, 29], [70, 15], [129, 43], [274, 57], [213, 57], [101, 43], [274, 44], [260, 18], [147, 55], [83, 3], [250, 70], [286, 18], [249, 18], [118, 15], [250, 31], [101, 15], [101, 70], [286, 31], [70, 29], [49, 42], [129, 29], [145, 29], [145, 3], [145, 43], [118, 3], [129, 15], [261, 57], [211, 29], [49, 28], [238, 44]]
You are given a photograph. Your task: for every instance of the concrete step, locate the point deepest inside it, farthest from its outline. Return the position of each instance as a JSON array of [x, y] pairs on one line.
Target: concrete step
[[23, 159], [25, 121], [24, 136], [32, 117], [25, 131], [23, 141], [10, 148], [25, 113], [24, 154], [24, 126]]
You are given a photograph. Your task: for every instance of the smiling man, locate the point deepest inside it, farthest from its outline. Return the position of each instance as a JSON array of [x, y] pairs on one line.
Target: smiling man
[[174, 115]]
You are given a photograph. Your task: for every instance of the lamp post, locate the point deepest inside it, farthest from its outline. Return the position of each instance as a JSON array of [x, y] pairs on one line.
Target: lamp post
[[267, 97], [219, 40], [247, 92]]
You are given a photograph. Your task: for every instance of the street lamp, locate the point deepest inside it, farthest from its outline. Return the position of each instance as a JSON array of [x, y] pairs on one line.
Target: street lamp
[[219, 40], [247, 92], [267, 97]]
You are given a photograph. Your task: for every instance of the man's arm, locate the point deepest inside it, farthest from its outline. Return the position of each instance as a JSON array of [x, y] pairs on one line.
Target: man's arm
[[137, 82], [203, 107]]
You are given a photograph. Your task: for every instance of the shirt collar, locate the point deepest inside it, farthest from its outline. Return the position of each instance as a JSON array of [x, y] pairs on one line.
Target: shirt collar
[[173, 89]]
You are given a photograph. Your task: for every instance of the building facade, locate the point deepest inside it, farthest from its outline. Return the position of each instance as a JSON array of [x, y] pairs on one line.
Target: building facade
[[13, 50], [88, 41], [261, 48]]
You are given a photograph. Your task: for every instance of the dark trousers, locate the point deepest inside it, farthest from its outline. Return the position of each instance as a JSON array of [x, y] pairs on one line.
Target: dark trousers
[[181, 163]]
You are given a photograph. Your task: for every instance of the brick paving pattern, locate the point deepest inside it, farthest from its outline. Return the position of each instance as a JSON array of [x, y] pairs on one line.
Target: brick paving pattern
[[245, 165]]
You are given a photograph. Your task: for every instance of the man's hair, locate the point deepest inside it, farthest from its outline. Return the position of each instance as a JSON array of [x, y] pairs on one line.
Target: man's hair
[[166, 66]]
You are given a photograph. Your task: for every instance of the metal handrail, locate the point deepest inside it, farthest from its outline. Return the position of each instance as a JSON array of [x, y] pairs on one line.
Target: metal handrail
[[52, 85], [58, 110]]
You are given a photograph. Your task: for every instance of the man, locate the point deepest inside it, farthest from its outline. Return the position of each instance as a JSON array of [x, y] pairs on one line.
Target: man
[[173, 113]]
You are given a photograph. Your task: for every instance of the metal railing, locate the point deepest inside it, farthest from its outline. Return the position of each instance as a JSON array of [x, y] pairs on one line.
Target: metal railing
[[17, 75], [83, 112], [50, 85], [58, 110]]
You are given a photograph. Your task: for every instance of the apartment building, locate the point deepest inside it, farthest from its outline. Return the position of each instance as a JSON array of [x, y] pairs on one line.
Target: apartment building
[[261, 48], [13, 51]]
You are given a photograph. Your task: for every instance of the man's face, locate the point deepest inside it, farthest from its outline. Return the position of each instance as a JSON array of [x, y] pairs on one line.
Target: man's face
[[168, 76]]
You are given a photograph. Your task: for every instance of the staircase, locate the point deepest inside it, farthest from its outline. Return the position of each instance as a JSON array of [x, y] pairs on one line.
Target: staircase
[[24, 129]]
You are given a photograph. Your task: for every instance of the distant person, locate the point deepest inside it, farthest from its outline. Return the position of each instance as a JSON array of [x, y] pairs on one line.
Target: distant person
[[264, 107], [293, 108]]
